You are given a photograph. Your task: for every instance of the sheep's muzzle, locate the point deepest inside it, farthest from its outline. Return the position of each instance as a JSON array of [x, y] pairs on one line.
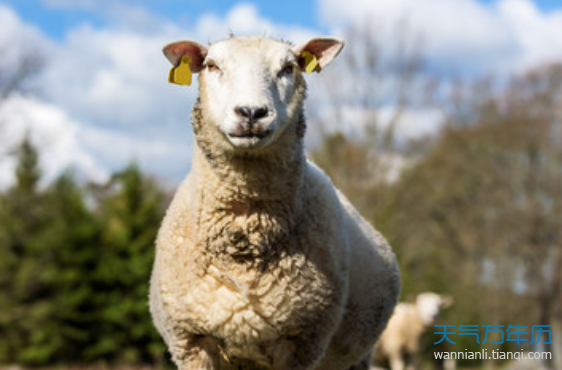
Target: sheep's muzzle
[[249, 129]]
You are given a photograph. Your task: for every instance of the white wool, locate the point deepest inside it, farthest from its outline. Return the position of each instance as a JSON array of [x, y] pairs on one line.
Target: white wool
[[261, 263]]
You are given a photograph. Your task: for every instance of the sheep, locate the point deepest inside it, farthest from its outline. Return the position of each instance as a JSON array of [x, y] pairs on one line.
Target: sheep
[[400, 341], [260, 262]]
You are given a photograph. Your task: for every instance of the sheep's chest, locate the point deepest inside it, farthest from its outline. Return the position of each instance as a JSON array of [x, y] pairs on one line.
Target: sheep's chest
[[244, 308], [249, 313], [253, 289]]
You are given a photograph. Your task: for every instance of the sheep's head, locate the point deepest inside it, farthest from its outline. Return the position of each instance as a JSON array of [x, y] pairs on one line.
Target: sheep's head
[[252, 88], [430, 305]]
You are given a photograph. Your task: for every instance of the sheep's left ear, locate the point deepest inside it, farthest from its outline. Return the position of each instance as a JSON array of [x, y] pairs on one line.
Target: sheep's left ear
[[187, 57], [318, 53]]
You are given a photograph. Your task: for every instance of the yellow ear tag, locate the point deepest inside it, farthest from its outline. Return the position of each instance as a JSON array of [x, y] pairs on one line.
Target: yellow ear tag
[[310, 62], [181, 74]]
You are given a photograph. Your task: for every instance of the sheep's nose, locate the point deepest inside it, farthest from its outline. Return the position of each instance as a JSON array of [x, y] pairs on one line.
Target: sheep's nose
[[253, 114]]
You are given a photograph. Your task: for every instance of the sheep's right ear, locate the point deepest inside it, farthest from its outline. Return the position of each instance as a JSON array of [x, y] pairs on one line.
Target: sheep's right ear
[[186, 57], [318, 53]]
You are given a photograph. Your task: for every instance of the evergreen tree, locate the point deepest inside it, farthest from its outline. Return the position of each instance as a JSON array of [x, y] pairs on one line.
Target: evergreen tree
[[25, 267], [74, 274], [74, 238], [130, 216]]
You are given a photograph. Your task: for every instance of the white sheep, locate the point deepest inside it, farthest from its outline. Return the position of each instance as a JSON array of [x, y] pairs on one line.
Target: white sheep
[[400, 341], [261, 263]]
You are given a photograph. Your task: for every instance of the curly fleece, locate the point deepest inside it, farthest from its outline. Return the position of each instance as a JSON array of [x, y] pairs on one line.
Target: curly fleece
[[262, 264]]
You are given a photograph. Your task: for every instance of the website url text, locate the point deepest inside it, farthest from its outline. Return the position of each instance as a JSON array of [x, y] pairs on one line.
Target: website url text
[[492, 355]]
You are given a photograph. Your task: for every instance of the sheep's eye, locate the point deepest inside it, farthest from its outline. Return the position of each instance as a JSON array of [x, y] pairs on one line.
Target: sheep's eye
[[212, 66], [287, 70]]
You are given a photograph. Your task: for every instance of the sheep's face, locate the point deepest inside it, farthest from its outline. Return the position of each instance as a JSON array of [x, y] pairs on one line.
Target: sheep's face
[[251, 88], [430, 305]]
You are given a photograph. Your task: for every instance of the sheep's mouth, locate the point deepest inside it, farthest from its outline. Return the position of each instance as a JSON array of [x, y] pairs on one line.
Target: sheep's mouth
[[249, 130], [249, 135], [249, 140]]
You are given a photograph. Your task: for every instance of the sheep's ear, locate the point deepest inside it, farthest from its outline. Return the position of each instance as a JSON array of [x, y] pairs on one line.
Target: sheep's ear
[[186, 57], [194, 51], [318, 53]]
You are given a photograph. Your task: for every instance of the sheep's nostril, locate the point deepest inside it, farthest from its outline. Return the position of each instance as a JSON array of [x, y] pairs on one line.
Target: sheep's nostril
[[243, 111], [253, 114], [259, 113]]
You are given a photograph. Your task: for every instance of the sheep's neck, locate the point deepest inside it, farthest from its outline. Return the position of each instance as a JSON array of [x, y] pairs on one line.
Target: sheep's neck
[[253, 207], [241, 182]]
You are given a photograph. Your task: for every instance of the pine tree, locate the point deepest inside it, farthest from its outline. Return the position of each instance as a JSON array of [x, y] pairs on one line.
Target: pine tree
[[73, 236], [130, 217], [25, 267], [74, 273]]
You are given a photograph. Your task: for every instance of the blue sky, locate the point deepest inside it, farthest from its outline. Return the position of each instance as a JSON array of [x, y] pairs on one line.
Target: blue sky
[[545, 5], [103, 99], [55, 17]]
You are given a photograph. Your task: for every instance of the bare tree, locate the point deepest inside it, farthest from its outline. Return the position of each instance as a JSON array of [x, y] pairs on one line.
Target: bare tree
[[17, 78], [485, 206], [534, 106], [20, 63], [380, 77]]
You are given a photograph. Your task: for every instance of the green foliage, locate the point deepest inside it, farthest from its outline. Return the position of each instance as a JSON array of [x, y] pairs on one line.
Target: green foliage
[[130, 217], [24, 280], [75, 267]]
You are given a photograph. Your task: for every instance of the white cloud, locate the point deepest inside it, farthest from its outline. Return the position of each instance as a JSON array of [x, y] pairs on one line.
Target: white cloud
[[412, 123], [168, 158], [244, 19], [14, 30], [57, 137], [506, 36], [112, 78], [415, 122], [537, 33]]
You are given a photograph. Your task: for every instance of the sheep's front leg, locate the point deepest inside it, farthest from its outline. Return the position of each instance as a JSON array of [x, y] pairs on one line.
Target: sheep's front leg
[[396, 362], [196, 353]]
